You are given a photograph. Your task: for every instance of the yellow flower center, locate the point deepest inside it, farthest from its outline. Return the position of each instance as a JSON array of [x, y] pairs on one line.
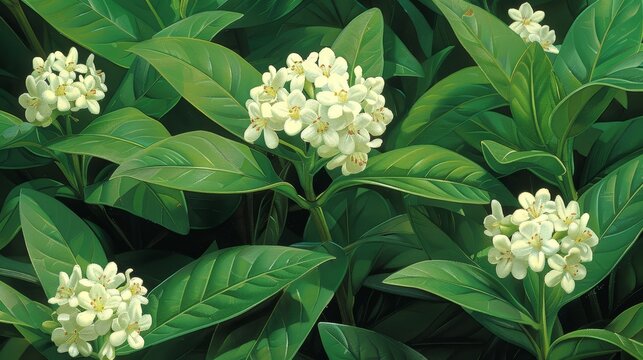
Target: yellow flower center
[[133, 327], [72, 338], [297, 68], [342, 96], [70, 66], [322, 127], [326, 69], [270, 90], [64, 291], [535, 242], [61, 90], [97, 304], [358, 158], [258, 123], [294, 112]]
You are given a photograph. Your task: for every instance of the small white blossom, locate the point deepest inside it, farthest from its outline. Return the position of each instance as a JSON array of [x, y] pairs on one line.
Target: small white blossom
[[374, 86], [506, 262], [546, 38], [327, 65], [273, 86], [525, 19], [262, 121], [107, 351], [66, 292], [61, 93], [68, 66], [293, 109], [381, 116], [343, 101], [565, 215], [581, 237], [565, 270], [128, 326], [42, 68], [493, 221], [534, 242], [322, 130], [354, 134], [352, 163], [99, 75], [73, 338], [37, 110], [297, 69], [534, 207], [109, 277], [89, 95], [98, 303], [134, 289]]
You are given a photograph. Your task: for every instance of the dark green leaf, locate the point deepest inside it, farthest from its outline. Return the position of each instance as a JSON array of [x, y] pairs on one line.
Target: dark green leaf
[[505, 160], [586, 343]]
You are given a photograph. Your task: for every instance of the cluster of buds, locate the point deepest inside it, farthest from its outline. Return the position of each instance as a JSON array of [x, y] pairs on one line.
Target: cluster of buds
[[527, 25], [543, 231], [59, 84], [105, 304], [336, 118]]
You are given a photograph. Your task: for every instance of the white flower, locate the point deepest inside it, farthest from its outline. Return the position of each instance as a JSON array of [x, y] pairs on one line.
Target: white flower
[[534, 242], [343, 101], [61, 93], [37, 110], [42, 68], [109, 277], [322, 130], [525, 19], [73, 338], [328, 65], [134, 289], [107, 351], [374, 86], [89, 95], [546, 38], [565, 270], [534, 207], [297, 69], [98, 302], [354, 133], [493, 221], [564, 216], [273, 83], [507, 262], [380, 115], [353, 163], [294, 110], [98, 75], [68, 66], [261, 120], [66, 292], [581, 237], [128, 326]]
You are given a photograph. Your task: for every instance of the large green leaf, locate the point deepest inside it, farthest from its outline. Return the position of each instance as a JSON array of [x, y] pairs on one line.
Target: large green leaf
[[16, 308], [164, 206], [361, 43], [587, 343], [615, 205], [56, 238], [221, 285], [398, 59], [465, 285], [489, 41], [200, 161], [428, 171], [256, 12], [205, 25], [114, 136], [343, 342], [505, 160], [103, 26], [604, 35], [446, 106]]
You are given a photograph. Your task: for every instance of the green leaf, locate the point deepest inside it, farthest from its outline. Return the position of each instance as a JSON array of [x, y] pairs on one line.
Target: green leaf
[[205, 25], [586, 343], [465, 285], [505, 160], [114, 136], [534, 94], [163, 206], [489, 41], [256, 12], [56, 238], [428, 171], [221, 285], [17, 270], [105, 27], [200, 161], [602, 36], [614, 204], [509, 331], [271, 220], [153, 265], [10, 215], [17, 309], [208, 210], [398, 59], [361, 43], [343, 342], [446, 106]]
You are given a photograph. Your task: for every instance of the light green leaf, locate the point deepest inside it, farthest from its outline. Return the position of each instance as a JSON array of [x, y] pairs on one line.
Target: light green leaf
[[256, 12], [205, 25], [221, 285], [465, 285], [17, 270], [163, 206], [114, 136], [361, 43], [586, 343], [56, 238], [343, 342], [17, 309], [505, 160], [489, 41]]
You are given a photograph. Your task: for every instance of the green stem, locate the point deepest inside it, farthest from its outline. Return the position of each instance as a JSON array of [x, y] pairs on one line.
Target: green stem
[[566, 181], [156, 15], [544, 329], [16, 9]]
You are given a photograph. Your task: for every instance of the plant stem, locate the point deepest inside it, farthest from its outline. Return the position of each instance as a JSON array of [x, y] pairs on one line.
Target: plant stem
[[16, 9], [544, 329], [156, 15], [566, 181]]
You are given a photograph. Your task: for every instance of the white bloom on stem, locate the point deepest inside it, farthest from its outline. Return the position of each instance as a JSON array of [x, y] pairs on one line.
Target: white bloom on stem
[[73, 338], [322, 130], [343, 101], [89, 94], [506, 262], [525, 18], [581, 237], [293, 109], [99, 75], [534, 207], [297, 69], [61, 93], [565, 215], [546, 38], [273, 85], [98, 303], [565, 270], [493, 221], [134, 289], [128, 326], [380, 115], [66, 292], [109, 277], [42, 67], [68, 66], [327, 65], [37, 110], [107, 351], [374, 86], [262, 121], [534, 242], [354, 133], [353, 163]]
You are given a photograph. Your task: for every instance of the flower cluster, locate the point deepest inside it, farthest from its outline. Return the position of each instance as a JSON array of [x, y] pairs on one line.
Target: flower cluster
[[106, 303], [60, 83], [543, 231], [336, 118], [527, 25]]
